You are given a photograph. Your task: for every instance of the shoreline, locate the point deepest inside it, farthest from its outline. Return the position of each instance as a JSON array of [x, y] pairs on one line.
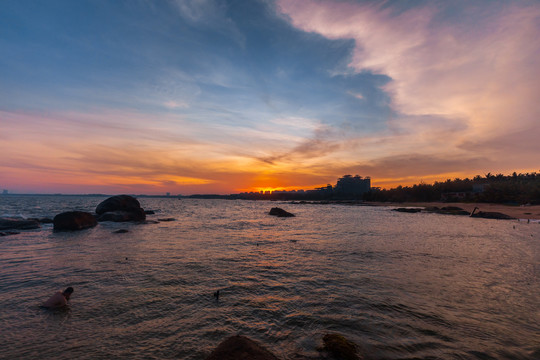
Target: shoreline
[[531, 212]]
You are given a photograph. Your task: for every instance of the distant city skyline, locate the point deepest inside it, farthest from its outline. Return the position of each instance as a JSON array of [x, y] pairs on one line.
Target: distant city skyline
[[222, 97]]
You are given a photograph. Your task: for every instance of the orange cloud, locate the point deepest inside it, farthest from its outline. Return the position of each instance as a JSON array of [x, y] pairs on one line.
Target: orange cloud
[[453, 84]]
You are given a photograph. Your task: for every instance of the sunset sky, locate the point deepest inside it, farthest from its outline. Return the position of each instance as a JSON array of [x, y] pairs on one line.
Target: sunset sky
[[217, 96]]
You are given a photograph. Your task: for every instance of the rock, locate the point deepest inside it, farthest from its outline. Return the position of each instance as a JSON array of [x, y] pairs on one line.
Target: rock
[[119, 216], [120, 208], [280, 212], [240, 348], [120, 231], [19, 224], [167, 219], [492, 215], [447, 210], [340, 347], [42, 220], [149, 222], [451, 208], [407, 210], [74, 220], [6, 233], [149, 212]]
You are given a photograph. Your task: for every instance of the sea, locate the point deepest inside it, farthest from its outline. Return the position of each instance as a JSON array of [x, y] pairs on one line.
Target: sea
[[399, 285]]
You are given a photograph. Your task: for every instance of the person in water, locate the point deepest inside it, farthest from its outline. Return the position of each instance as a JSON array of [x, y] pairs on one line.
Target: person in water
[[59, 299]]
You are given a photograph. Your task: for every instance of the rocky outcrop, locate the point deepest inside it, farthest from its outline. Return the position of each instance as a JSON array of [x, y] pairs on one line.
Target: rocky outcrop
[[279, 212], [120, 208], [18, 224], [74, 220], [340, 347], [240, 348]]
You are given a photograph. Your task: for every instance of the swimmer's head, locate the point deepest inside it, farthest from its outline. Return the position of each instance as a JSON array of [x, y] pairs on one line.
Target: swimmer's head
[[67, 293]]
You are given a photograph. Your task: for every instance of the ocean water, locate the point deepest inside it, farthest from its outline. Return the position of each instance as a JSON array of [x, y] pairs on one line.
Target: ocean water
[[401, 286]]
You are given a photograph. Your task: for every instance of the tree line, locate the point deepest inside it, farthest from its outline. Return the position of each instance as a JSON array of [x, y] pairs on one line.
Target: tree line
[[499, 188]]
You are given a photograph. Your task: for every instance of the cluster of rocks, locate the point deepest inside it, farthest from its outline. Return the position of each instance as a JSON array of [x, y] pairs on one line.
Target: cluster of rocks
[[454, 210], [119, 208], [242, 348]]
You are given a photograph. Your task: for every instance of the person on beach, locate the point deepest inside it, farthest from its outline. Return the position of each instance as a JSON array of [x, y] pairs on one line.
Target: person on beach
[[59, 299]]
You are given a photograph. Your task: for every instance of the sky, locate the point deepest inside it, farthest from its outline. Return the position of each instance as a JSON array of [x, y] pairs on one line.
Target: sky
[[226, 96]]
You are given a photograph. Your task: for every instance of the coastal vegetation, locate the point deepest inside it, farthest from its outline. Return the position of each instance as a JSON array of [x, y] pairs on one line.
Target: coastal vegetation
[[509, 189]]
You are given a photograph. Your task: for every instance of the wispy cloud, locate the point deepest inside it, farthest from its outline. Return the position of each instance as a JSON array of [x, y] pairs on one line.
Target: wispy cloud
[[469, 78]]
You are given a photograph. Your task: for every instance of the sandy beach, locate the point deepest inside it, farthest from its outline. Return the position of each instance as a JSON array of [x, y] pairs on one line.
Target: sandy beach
[[519, 212]]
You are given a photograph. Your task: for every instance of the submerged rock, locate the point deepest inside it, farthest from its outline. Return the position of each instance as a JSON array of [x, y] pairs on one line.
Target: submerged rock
[[167, 219], [118, 216], [492, 215], [120, 208], [42, 220], [120, 231], [407, 210], [74, 220], [447, 210], [240, 348], [19, 224], [279, 212], [340, 347], [6, 233]]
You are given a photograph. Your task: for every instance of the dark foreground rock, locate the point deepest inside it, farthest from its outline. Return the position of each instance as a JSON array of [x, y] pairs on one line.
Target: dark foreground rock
[[18, 224], [279, 212], [120, 208], [240, 348], [339, 347], [74, 220]]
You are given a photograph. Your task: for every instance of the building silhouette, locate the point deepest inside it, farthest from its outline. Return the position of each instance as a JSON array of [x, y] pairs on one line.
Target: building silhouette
[[350, 185]]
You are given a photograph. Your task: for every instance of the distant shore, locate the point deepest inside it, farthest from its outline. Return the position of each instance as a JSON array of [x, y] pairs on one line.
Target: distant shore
[[518, 211]]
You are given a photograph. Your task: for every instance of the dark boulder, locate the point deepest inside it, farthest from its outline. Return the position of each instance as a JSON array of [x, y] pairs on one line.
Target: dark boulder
[[340, 347], [279, 212], [19, 224], [240, 348], [149, 212], [167, 219], [120, 231], [120, 208], [74, 220]]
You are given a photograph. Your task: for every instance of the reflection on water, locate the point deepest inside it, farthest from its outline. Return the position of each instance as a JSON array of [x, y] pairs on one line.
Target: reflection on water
[[402, 285]]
